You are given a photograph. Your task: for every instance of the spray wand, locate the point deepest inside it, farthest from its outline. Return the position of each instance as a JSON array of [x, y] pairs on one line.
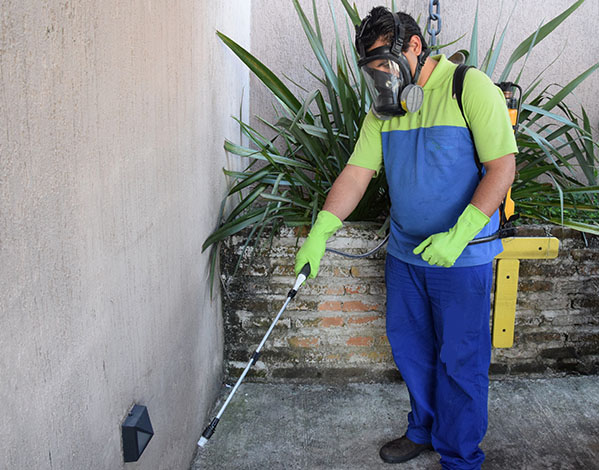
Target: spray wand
[[304, 273]]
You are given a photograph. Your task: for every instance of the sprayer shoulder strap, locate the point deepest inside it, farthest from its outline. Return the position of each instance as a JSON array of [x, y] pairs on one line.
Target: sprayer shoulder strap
[[458, 87], [457, 90]]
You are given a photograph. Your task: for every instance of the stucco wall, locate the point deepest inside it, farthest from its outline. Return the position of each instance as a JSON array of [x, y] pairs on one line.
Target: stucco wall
[[279, 41], [112, 119]]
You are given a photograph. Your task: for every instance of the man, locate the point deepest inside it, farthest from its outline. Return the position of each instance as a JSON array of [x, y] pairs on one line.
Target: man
[[438, 286]]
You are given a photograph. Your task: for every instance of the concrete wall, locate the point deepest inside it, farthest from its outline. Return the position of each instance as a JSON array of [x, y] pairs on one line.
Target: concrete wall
[[279, 41], [112, 119]]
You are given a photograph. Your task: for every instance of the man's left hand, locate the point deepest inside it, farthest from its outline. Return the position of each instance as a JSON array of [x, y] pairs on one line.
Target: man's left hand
[[441, 249], [444, 248]]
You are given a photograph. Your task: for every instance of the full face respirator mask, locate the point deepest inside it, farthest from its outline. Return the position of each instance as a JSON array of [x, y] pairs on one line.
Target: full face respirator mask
[[387, 74]]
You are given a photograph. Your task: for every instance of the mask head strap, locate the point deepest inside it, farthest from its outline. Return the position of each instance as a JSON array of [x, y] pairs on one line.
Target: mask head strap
[[399, 32], [394, 49]]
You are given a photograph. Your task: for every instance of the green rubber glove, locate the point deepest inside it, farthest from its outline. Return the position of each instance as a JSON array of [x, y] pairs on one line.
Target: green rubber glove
[[312, 250], [443, 249]]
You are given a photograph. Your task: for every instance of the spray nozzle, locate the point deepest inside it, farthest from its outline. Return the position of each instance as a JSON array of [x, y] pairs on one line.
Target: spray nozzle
[[301, 277]]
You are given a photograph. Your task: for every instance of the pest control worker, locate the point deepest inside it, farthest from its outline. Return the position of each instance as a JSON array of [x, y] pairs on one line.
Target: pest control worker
[[438, 286]]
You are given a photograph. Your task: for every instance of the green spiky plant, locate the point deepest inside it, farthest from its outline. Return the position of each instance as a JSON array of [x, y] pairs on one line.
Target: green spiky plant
[[315, 134]]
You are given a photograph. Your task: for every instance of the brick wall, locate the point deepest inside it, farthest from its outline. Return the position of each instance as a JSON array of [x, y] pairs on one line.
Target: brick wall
[[334, 329]]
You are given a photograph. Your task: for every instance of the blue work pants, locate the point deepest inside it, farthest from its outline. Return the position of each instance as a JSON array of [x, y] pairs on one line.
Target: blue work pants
[[438, 328]]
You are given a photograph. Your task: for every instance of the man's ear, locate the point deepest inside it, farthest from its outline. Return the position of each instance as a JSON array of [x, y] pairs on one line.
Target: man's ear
[[416, 44]]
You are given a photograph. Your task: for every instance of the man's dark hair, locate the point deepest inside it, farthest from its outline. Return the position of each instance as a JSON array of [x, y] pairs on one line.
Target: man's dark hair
[[381, 24]]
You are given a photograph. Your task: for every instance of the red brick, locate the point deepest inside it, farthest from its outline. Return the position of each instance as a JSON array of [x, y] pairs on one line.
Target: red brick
[[373, 356], [356, 289], [360, 341], [303, 342], [368, 270], [283, 271], [334, 291], [358, 306], [333, 357], [362, 320], [333, 305], [338, 272], [331, 321]]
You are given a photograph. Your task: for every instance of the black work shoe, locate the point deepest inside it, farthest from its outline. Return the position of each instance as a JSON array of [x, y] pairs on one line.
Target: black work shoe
[[402, 450]]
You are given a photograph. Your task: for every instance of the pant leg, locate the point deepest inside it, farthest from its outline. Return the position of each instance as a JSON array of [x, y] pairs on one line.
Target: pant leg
[[461, 306], [410, 331]]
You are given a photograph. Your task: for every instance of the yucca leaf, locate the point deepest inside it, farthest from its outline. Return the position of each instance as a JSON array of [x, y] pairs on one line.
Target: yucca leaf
[[316, 22], [589, 147], [312, 147], [266, 76], [352, 13], [473, 56], [250, 153], [241, 175], [339, 50], [495, 55], [569, 88], [353, 59], [295, 202], [317, 46], [583, 190], [537, 37], [587, 169], [579, 226], [246, 202], [579, 207], [332, 136], [546, 113], [257, 176], [545, 146], [532, 45], [291, 80], [233, 227]]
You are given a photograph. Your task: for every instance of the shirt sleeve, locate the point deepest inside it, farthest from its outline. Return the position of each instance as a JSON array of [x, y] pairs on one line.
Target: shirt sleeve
[[368, 152], [488, 117]]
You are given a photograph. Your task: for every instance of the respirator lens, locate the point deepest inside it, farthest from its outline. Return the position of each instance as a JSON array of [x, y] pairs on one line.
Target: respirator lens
[[384, 81]]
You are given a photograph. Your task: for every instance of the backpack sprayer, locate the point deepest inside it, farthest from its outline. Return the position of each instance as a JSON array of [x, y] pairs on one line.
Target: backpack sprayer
[[304, 273], [507, 207], [513, 106]]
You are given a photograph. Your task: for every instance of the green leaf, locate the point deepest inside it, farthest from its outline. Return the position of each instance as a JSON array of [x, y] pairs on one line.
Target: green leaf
[[546, 113], [584, 190], [569, 88], [473, 56], [536, 38], [295, 202], [316, 45], [250, 153], [493, 58], [266, 76], [532, 44], [258, 176], [233, 227], [352, 13], [246, 202]]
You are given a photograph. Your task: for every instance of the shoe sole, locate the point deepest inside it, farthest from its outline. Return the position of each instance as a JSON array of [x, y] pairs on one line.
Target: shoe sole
[[406, 457]]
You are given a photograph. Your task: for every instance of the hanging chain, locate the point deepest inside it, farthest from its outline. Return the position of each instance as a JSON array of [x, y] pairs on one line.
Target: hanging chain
[[434, 15]]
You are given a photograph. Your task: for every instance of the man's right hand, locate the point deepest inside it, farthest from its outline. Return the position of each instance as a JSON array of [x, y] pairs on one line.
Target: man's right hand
[[312, 250]]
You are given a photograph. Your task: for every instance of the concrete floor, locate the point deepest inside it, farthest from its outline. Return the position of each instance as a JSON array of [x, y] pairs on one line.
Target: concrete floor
[[533, 424]]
